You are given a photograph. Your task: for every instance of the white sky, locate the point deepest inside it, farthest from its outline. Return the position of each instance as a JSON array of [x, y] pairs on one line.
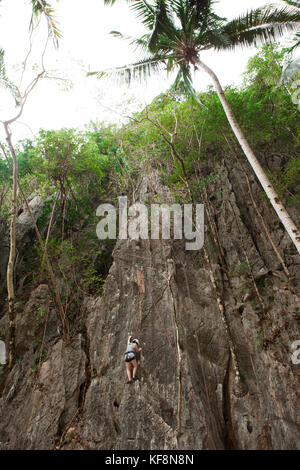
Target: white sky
[[87, 45]]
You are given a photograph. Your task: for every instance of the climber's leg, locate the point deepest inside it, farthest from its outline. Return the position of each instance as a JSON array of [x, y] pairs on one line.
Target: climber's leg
[[134, 363], [128, 370]]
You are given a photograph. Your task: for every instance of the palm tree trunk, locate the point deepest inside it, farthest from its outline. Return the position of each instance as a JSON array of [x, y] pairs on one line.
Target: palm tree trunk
[[283, 215]]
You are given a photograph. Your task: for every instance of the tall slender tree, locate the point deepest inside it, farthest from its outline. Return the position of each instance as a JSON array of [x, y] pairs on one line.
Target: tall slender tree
[[178, 31], [38, 7]]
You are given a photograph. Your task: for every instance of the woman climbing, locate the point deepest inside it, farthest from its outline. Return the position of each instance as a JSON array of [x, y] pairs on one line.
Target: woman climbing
[[130, 357]]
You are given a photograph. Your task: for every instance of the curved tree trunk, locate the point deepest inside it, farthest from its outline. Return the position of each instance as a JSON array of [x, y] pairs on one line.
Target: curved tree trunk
[[283, 215], [65, 324], [10, 268]]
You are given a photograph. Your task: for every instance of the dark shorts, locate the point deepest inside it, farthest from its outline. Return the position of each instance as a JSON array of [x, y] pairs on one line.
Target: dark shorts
[[129, 359]]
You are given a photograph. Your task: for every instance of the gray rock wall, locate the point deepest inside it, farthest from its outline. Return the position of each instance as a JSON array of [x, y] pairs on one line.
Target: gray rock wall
[[162, 294]]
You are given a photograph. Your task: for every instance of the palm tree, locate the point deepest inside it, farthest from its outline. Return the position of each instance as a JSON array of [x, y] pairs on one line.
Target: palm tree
[[180, 30]]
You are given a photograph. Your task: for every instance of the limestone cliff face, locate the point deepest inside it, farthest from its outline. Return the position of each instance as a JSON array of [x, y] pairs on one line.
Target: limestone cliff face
[[185, 397]]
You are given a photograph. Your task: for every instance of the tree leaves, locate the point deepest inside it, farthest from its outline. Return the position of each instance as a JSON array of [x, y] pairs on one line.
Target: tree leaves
[[140, 70], [42, 7], [5, 82], [259, 26]]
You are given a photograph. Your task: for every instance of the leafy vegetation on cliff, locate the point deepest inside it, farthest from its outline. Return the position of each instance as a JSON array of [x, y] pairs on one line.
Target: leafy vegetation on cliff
[[82, 165], [77, 170]]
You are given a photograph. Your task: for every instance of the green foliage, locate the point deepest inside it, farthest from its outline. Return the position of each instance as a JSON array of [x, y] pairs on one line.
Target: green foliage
[[287, 179], [42, 7], [83, 264], [259, 339], [92, 280], [39, 315], [47, 208], [264, 109], [264, 70], [5, 172], [87, 166], [62, 157], [78, 165], [6, 83], [104, 137], [73, 166], [24, 151]]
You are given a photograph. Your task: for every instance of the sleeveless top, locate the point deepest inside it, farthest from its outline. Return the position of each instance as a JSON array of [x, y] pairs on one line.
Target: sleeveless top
[[130, 348]]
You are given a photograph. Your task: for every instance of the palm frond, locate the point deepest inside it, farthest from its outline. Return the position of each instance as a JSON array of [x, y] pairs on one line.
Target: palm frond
[[181, 10], [258, 26], [144, 12], [203, 10], [184, 83], [292, 3], [42, 7], [139, 43], [138, 71], [196, 14], [212, 38], [187, 15], [166, 45], [163, 24], [297, 43], [297, 36], [5, 82]]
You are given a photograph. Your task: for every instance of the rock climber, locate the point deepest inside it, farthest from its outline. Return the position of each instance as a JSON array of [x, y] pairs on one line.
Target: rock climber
[[130, 357]]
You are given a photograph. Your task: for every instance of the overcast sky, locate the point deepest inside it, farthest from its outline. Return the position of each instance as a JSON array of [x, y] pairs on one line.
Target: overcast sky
[[87, 45]]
